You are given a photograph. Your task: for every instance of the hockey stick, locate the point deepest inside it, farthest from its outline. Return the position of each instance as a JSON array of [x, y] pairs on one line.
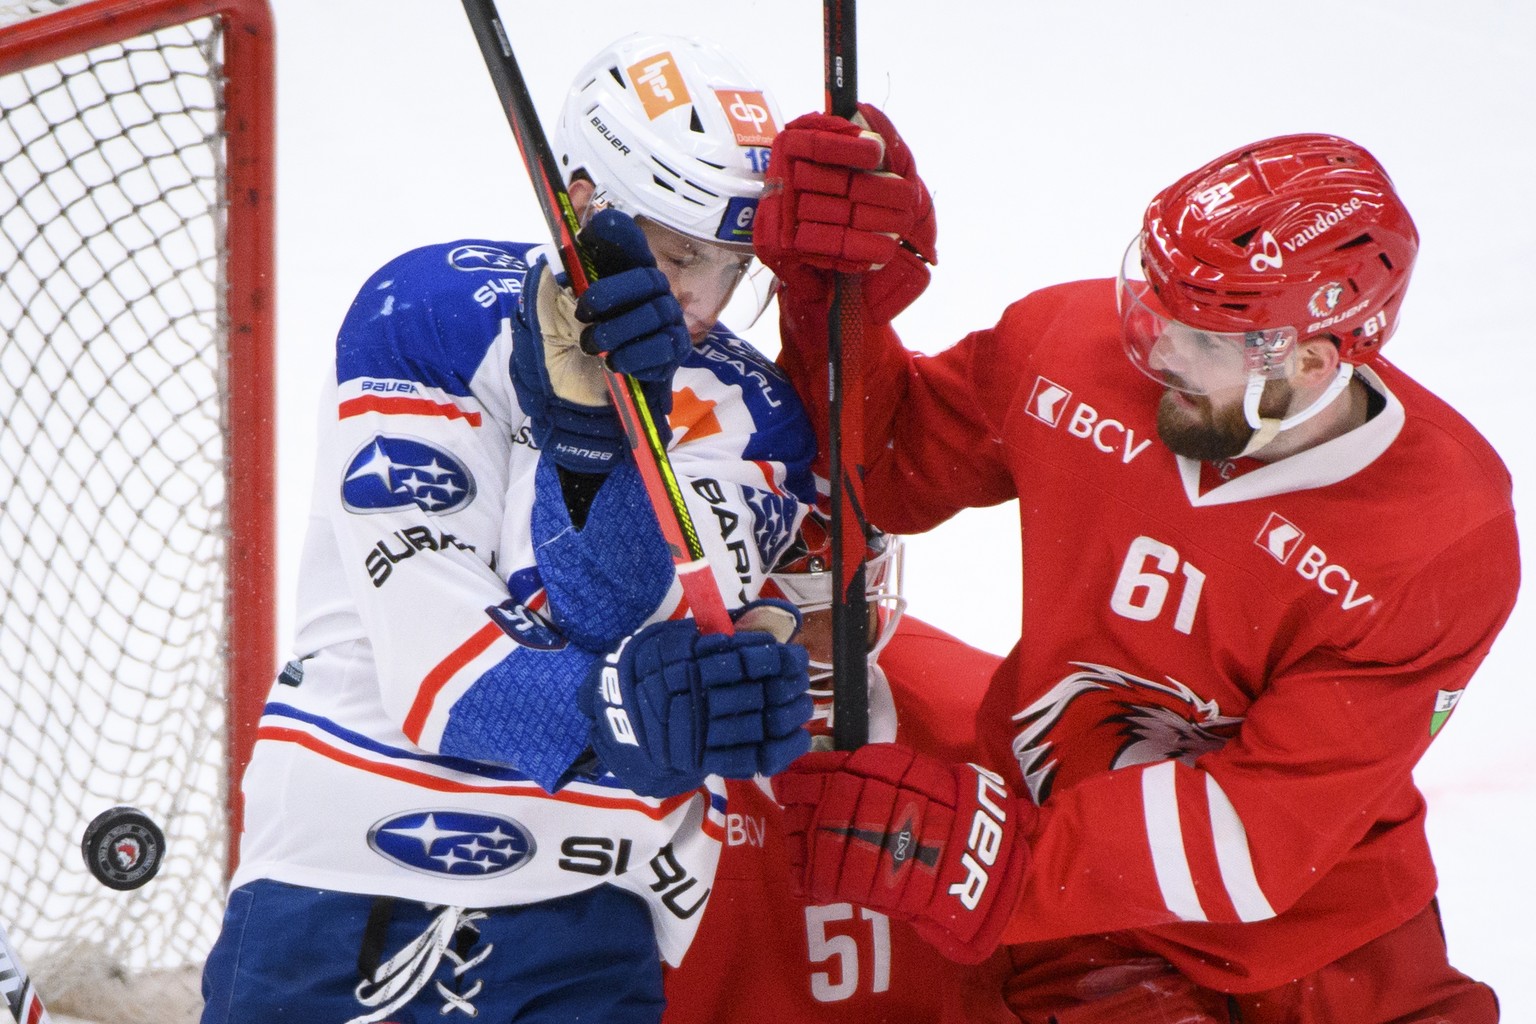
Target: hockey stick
[[701, 594], [845, 449], [21, 997]]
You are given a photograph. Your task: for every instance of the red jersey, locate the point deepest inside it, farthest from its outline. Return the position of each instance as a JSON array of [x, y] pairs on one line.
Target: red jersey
[[762, 954], [1226, 673]]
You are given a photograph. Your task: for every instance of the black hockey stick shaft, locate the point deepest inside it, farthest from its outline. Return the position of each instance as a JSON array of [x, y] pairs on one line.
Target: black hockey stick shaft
[[845, 448], [21, 998], [700, 591]]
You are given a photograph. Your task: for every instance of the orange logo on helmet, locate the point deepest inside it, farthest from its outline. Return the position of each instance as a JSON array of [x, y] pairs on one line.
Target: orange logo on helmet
[[749, 116], [659, 84]]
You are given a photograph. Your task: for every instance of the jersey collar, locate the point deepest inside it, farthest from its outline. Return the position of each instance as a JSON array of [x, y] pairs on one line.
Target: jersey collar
[[1328, 463]]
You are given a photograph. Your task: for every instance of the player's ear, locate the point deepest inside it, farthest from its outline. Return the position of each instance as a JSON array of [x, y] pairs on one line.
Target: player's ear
[[580, 190], [1317, 360]]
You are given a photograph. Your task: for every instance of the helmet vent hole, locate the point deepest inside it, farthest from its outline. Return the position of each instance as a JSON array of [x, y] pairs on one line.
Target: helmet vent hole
[[1242, 240], [1386, 260], [693, 120], [617, 77], [663, 184], [1356, 241]]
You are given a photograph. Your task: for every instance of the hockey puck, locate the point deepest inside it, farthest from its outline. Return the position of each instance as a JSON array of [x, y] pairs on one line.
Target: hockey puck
[[123, 847]]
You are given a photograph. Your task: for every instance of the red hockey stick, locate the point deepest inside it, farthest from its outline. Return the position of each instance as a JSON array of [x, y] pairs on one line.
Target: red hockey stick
[[701, 594]]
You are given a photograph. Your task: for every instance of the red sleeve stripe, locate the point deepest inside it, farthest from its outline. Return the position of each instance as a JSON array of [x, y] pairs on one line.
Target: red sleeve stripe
[[433, 684], [767, 469], [405, 407], [438, 784]]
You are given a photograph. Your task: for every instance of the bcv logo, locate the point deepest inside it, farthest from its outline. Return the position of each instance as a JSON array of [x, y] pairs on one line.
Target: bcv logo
[[1049, 403], [392, 473], [1282, 539], [448, 842]]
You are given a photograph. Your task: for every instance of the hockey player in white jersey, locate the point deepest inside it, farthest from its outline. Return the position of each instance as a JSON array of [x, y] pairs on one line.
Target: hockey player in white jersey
[[489, 782]]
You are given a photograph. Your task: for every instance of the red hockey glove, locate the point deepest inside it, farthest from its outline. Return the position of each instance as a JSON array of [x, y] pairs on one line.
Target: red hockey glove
[[846, 198], [940, 845]]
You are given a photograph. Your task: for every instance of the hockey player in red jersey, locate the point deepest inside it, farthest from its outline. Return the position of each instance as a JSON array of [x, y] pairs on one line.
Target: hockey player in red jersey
[[763, 954], [1260, 565]]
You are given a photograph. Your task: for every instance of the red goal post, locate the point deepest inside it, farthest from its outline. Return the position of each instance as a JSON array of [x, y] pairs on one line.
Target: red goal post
[[136, 348]]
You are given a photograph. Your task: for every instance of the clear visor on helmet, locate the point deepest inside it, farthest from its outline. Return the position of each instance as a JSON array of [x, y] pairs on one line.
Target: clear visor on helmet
[[1192, 359], [811, 592]]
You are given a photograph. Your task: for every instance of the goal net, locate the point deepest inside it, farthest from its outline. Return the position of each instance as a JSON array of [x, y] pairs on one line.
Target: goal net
[[136, 528]]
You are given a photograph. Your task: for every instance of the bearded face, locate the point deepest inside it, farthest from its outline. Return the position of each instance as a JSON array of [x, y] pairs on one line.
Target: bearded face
[[1212, 427]]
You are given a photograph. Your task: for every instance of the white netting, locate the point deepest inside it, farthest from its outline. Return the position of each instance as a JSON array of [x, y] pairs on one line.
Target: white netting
[[12, 11], [112, 495]]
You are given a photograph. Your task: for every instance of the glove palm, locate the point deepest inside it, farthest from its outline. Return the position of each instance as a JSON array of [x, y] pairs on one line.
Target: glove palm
[[628, 316]]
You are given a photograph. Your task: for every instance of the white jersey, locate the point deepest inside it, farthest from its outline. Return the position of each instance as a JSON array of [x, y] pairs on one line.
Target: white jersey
[[418, 578]]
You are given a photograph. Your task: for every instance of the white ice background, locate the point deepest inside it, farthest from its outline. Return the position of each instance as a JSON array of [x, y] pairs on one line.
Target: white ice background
[[1042, 129]]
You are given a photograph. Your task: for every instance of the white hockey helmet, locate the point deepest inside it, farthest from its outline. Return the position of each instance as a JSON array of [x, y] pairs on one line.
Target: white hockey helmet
[[671, 129]]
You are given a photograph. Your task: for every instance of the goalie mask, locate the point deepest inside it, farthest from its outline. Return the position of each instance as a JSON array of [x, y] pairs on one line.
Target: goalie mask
[[1288, 239], [803, 577], [672, 130]]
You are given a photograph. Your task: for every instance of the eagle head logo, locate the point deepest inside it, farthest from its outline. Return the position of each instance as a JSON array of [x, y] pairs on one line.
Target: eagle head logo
[[1100, 718]]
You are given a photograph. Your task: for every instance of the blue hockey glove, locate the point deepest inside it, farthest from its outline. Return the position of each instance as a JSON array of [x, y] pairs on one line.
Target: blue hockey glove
[[632, 314], [629, 313], [673, 705]]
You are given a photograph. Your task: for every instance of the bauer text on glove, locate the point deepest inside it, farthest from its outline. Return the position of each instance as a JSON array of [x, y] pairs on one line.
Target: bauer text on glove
[[940, 845]]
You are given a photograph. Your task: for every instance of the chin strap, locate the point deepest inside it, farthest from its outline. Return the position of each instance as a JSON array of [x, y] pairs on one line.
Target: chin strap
[[1265, 430]]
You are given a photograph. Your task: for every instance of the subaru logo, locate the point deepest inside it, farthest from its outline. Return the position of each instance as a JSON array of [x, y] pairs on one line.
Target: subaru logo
[[392, 473], [459, 843], [483, 257]]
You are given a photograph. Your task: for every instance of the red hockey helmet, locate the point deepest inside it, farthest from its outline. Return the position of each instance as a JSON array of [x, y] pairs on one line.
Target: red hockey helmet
[[803, 577], [1277, 242]]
